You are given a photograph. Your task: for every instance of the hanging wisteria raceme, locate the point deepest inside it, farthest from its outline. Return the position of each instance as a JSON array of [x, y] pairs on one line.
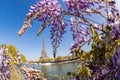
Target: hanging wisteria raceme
[[57, 31], [80, 33]]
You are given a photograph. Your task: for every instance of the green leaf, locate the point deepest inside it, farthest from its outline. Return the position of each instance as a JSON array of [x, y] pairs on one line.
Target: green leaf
[[118, 41], [96, 34], [88, 72], [92, 30], [84, 72], [108, 28], [23, 58]]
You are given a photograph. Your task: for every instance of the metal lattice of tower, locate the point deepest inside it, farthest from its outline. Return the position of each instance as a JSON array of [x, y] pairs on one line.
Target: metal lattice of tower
[[44, 53]]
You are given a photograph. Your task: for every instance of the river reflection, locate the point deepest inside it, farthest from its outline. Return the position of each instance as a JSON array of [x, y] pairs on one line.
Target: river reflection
[[50, 71]]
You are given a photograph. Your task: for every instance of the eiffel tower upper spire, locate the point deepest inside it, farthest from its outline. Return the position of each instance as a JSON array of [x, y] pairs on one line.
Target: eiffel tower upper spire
[[44, 53]]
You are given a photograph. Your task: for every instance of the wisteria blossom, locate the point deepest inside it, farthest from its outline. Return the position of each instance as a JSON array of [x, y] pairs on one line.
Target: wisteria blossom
[[4, 64]]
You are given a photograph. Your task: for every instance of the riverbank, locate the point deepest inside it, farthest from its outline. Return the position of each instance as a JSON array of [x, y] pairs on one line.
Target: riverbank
[[24, 73], [51, 71], [61, 62]]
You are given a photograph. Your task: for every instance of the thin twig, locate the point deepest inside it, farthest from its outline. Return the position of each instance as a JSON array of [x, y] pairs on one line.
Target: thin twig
[[107, 8]]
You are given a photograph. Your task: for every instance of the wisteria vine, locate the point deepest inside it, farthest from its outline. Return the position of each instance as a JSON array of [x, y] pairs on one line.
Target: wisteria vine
[[51, 13]]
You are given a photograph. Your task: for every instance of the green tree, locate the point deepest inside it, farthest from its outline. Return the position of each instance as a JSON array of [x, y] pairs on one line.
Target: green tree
[[13, 53], [12, 50], [59, 58], [23, 58]]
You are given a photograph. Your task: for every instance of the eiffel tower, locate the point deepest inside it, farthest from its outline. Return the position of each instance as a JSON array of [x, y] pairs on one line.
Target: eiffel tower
[[44, 53]]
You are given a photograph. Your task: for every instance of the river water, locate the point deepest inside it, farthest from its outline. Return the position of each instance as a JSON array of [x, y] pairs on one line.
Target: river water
[[50, 70]]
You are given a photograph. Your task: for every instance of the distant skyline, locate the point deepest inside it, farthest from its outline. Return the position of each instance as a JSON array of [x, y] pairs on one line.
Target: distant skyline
[[12, 15]]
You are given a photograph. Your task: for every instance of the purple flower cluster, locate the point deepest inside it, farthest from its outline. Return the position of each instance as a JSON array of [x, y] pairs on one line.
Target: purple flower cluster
[[80, 5], [4, 65], [57, 30], [27, 77], [80, 33], [5, 61], [113, 21], [116, 57], [45, 10]]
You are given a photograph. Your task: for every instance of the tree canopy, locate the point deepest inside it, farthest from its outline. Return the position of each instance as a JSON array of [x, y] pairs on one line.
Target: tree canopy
[[23, 58]]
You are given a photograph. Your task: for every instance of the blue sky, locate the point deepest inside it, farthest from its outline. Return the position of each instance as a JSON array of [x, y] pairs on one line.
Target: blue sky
[[12, 14]]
